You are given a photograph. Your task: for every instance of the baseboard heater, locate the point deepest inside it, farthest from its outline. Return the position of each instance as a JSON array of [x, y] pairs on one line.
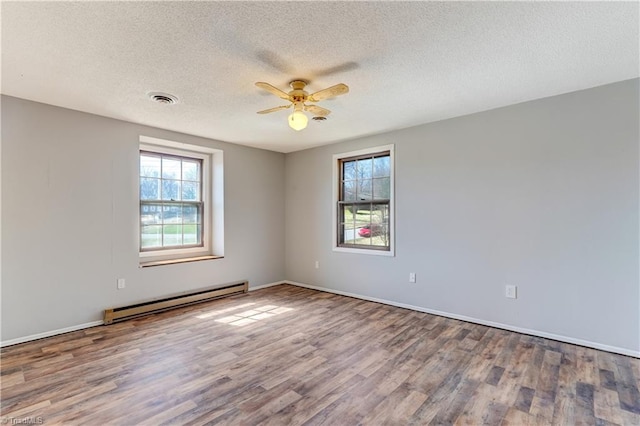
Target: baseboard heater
[[145, 308]]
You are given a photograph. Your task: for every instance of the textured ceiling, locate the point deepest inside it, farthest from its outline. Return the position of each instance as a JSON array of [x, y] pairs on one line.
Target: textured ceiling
[[406, 63]]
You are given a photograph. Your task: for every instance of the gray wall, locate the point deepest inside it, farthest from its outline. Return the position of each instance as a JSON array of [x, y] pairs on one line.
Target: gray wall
[[69, 211], [542, 195]]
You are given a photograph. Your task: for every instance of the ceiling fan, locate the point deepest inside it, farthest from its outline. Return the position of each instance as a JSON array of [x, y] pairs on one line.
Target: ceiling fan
[[298, 98]]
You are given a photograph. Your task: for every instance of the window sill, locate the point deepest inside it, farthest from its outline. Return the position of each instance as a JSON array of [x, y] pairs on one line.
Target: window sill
[[374, 252], [174, 261]]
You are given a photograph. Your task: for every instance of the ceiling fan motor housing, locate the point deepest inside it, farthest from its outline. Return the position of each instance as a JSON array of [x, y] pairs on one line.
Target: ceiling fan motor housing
[[298, 96], [298, 93]]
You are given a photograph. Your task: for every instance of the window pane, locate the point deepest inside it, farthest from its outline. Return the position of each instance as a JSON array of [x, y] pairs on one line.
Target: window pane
[[172, 214], [380, 213], [191, 191], [171, 190], [190, 170], [190, 214], [364, 190], [149, 189], [149, 166], [349, 190], [172, 234], [349, 170], [150, 214], [347, 223], [191, 234], [151, 236], [348, 234], [171, 168], [381, 166], [363, 224], [380, 225], [381, 189], [365, 168]]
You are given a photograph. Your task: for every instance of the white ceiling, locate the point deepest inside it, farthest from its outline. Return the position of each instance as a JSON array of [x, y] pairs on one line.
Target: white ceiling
[[406, 63]]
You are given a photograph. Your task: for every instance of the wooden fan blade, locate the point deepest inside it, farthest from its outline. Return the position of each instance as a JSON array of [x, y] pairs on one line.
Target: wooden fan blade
[[337, 90], [278, 108], [271, 89], [316, 110]]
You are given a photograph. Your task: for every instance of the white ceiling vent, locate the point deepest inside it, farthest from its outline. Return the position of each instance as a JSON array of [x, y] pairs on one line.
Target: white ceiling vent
[[163, 98]]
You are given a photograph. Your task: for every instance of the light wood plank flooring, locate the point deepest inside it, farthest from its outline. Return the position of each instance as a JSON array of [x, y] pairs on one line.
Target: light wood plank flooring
[[289, 356]]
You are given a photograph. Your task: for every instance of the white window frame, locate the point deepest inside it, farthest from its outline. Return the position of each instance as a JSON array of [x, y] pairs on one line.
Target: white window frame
[[336, 195], [212, 198]]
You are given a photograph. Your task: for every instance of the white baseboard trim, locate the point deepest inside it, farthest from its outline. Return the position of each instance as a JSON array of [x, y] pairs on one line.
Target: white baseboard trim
[[91, 324], [267, 285], [49, 333], [587, 343], [537, 333]]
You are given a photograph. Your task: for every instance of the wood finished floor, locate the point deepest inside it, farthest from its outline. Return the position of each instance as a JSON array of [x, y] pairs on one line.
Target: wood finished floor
[[288, 356]]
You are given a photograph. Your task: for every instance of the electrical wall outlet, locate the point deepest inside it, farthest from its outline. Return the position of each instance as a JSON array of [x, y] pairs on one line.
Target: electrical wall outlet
[[511, 291], [121, 283], [412, 277], [317, 264]]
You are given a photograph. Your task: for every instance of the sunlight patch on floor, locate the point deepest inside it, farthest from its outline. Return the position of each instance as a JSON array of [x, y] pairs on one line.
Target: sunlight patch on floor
[[253, 315], [223, 311]]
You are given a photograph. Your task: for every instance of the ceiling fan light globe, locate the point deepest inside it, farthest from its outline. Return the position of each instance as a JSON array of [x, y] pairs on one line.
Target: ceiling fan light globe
[[298, 121]]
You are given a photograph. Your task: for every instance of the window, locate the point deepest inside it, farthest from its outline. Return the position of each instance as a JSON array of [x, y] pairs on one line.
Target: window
[[171, 207], [364, 201], [181, 210]]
